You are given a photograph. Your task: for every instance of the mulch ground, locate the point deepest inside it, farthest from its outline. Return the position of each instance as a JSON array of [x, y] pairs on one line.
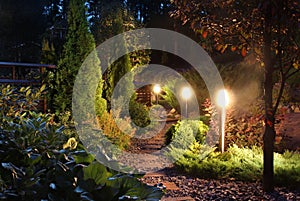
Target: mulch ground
[[191, 188]]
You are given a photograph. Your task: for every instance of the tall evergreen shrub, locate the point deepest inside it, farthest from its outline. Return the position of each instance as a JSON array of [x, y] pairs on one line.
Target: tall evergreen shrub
[[79, 44]]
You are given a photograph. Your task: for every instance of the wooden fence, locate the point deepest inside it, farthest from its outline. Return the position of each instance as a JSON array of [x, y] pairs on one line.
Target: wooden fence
[[24, 74]]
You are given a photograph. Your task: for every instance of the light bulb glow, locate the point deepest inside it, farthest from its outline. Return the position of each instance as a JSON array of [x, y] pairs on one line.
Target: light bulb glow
[[222, 98], [156, 89], [186, 93]]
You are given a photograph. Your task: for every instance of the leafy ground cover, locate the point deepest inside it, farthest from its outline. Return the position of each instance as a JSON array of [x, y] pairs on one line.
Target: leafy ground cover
[[245, 164], [238, 162], [43, 160]]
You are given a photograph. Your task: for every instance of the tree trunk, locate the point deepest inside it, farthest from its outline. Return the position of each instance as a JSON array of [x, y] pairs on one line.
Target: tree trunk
[[268, 173], [269, 134]]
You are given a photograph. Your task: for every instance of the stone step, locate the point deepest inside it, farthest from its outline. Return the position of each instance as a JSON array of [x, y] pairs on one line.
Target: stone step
[[152, 146], [161, 142], [169, 185], [158, 140], [177, 199]]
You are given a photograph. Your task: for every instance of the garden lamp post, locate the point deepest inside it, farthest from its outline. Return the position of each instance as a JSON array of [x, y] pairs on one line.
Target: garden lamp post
[[156, 90], [186, 94], [223, 101]]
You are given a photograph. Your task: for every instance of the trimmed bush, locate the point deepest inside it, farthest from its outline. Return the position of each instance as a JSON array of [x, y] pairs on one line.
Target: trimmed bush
[[139, 114]]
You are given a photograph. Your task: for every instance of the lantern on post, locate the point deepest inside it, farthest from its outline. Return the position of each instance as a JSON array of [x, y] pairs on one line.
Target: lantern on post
[[222, 101]]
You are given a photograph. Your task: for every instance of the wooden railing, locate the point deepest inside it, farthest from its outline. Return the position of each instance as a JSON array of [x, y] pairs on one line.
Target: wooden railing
[[24, 74], [143, 95]]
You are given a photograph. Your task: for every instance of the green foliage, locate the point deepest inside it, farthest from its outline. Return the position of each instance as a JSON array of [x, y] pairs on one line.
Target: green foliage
[[198, 128], [103, 28], [117, 129], [79, 44], [40, 160], [113, 22], [139, 114], [14, 101], [169, 134], [121, 66], [114, 187], [244, 164], [239, 163], [27, 147], [186, 134], [169, 96], [287, 168], [100, 103], [32, 171]]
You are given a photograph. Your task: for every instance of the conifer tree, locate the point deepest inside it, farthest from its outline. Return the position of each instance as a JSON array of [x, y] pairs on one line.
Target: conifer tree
[[123, 65], [120, 67], [79, 44]]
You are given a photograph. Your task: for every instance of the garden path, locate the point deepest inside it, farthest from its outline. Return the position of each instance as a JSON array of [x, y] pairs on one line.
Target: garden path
[[148, 146], [152, 144], [150, 149]]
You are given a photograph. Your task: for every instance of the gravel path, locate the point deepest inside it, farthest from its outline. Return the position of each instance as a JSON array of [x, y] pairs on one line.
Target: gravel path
[[209, 189], [152, 144]]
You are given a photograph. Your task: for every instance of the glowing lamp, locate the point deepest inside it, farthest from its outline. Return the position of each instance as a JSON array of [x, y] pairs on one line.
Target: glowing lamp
[[222, 98], [186, 93], [156, 90]]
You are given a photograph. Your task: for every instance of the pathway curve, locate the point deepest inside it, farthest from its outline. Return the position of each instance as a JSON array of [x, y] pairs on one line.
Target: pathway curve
[[155, 143], [148, 146]]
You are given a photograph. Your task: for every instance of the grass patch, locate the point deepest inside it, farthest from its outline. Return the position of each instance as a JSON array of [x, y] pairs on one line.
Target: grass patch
[[244, 164], [287, 168]]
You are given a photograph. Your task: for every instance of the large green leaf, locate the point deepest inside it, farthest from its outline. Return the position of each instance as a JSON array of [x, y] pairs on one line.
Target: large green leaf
[[97, 172], [83, 157]]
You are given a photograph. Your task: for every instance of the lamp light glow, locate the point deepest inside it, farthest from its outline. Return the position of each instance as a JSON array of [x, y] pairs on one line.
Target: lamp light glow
[[223, 98], [186, 93], [156, 89], [222, 101]]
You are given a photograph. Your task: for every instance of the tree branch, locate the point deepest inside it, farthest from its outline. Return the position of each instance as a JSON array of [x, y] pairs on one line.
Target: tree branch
[[293, 73]]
